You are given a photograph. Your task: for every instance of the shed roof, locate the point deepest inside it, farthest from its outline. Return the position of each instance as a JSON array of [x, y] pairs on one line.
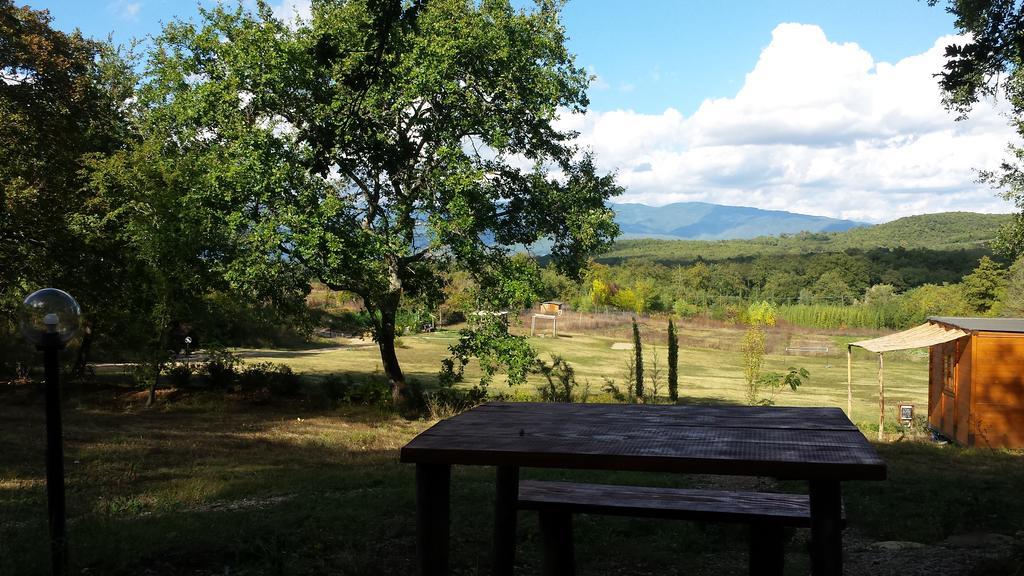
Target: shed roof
[[921, 336], [983, 324]]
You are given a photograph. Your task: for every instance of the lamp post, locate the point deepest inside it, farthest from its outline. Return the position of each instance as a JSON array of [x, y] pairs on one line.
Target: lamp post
[[50, 319]]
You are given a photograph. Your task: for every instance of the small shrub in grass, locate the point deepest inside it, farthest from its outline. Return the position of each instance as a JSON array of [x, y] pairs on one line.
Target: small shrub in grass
[[561, 378], [337, 389], [221, 368], [278, 379], [447, 402], [284, 382], [415, 394], [374, 391], [179, 375]]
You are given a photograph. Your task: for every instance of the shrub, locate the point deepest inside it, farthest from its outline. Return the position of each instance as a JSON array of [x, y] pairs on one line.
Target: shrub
[[447, 401], [220, 368], [278, 379], [337, 389], [561, 379], [179, 375]]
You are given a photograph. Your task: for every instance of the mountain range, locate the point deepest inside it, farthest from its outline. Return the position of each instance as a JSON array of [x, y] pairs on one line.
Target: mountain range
[[704, 221]]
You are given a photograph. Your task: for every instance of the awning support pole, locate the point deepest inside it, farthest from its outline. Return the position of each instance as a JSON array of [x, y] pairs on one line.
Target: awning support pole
[[849, 382], [881, 396]]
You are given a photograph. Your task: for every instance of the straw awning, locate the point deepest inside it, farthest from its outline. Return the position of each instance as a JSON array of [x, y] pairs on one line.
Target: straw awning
[[921, 336], [918, 337]]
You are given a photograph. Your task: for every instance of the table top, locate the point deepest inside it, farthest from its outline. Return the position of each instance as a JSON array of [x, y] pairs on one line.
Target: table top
[[786, 442]]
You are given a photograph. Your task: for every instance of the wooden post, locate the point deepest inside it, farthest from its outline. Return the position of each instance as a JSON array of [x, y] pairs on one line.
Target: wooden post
[[849, 382], [533, 325], [881, 396], [554, 327]]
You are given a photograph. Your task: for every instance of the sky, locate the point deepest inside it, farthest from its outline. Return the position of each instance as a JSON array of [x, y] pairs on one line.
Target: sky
[[821, 107]]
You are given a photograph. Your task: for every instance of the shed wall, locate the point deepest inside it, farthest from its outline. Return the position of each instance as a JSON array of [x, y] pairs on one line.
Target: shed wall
[[964, 435], [997, 391]]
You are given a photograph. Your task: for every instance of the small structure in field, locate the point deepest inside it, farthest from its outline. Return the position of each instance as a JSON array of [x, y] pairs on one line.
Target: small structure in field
[[549, 310], [975, 377]]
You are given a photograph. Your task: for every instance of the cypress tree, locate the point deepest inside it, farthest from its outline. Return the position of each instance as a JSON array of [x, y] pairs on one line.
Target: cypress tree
[[673, 361], [639, 351]]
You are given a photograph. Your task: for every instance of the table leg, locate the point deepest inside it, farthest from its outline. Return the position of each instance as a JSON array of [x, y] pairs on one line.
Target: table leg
[[826, 528], [506, 495], [433, 493]]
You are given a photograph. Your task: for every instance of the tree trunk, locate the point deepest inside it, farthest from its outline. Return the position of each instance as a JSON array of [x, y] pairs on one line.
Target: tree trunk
[[386, 343]]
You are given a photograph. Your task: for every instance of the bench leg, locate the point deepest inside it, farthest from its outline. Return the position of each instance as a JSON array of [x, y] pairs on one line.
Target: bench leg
[[556, 537], [433, 486], [767, 550], [503, 554], [826, 528]]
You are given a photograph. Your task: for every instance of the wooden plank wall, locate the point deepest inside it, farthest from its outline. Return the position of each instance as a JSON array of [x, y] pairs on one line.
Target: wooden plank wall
[[964, 373], [997, 415]]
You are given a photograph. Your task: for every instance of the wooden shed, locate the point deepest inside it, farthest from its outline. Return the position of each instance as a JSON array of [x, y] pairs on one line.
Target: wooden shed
[[976, 382]]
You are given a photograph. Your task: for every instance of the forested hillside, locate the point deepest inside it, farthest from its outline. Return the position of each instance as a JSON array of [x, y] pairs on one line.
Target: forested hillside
[[886, 276], [703, 221], [950, 231]]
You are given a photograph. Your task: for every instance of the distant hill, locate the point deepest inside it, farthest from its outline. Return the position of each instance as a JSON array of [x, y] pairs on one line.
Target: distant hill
[[703, 221], [944, 231]]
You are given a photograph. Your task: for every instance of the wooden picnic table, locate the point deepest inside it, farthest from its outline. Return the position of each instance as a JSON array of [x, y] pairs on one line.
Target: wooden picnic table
[[819, 445]]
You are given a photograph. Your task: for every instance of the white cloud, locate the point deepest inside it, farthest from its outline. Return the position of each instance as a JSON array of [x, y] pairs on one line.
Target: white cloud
[[289, 10], [597, 83], [124, 9], [818, 127]]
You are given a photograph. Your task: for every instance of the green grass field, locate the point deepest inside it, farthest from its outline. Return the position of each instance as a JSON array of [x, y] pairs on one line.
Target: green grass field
[[712, 373], [212, 483]]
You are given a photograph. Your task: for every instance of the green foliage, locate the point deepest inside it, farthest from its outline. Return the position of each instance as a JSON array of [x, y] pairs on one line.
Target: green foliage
[[638, 361], [179, 374], [63, 97], [758, 316], [684, 309], [985, 64], [1013, 298], [770, 384], [447, 402], [489, 341], [221, 367], [935, 233], [673, 362], [561, 380], [983, 288], [376, 141], [278, 379]]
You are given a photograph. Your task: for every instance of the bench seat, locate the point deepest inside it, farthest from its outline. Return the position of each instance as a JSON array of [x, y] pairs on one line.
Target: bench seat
[[766, 513]]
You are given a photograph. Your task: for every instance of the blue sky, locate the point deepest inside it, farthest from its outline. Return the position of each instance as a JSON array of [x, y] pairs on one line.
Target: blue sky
[[649, 54], [825, 107]]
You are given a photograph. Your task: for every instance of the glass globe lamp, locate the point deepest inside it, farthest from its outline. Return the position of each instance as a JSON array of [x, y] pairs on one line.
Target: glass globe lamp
[[50, 311]]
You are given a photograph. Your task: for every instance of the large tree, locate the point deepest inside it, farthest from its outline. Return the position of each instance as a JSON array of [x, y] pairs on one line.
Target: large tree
[[390, 141], [988, 65], [63, 97]]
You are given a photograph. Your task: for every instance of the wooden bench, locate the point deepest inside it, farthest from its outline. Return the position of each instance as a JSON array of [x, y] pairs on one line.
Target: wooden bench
[[766, 513]]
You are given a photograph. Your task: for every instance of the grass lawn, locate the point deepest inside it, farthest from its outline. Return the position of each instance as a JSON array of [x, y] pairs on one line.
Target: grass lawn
[[713, 373], [208, 483]]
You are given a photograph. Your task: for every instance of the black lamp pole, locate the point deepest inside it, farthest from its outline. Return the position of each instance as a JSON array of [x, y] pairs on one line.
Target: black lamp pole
[[51, 345]]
